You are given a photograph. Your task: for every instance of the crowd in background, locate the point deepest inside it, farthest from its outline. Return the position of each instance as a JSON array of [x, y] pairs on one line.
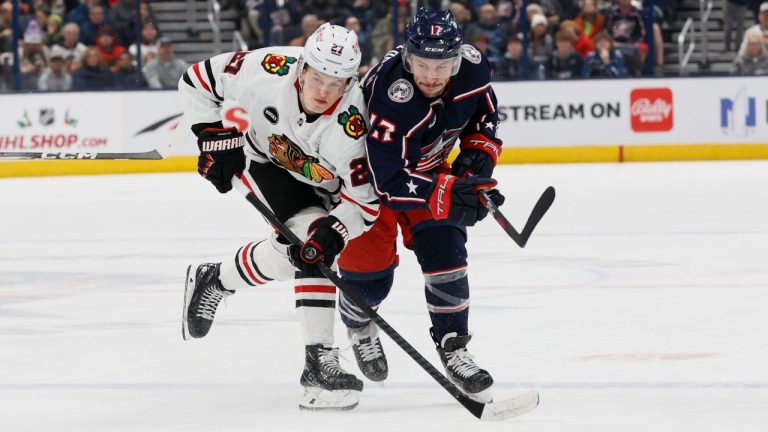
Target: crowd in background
[[90, 44]]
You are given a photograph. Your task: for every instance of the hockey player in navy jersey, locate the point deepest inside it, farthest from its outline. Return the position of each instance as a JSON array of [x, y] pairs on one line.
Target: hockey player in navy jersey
[[423, 99]]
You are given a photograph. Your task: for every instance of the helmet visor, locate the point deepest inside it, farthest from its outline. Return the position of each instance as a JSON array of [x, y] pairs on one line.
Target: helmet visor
[[431, 68]]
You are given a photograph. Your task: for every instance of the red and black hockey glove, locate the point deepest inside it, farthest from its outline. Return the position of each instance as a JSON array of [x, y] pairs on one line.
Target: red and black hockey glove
[[221, 155], [457, 200], [327, 237], [478, 156]]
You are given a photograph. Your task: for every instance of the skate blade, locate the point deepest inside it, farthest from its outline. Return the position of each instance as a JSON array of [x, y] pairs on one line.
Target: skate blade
[[189, 289], [317, 399]]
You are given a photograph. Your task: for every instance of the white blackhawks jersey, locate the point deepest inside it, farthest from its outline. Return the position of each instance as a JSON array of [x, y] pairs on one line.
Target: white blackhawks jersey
[[328, 153]]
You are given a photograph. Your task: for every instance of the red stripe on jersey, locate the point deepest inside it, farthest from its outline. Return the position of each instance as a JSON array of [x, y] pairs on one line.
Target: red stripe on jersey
[[365, 209], [471, 93], [314, 289], [244, 258], [196, 68]]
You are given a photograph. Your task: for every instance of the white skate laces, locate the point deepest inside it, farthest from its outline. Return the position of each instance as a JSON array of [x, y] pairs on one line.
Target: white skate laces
[[460, 361], [209, 301], [329, 360]]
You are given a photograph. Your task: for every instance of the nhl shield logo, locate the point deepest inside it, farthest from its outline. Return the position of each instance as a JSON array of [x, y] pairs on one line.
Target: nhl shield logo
[[47, 116], [400, 91], [470, 53]]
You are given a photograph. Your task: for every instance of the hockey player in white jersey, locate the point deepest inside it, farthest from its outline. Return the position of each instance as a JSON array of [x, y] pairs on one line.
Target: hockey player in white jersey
[[304, 156]]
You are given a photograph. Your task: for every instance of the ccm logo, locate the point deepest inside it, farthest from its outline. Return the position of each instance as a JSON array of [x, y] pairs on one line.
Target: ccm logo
[[68, 156]]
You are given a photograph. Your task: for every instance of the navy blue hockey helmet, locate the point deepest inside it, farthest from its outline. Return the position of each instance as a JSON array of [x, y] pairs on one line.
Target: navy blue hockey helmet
[[433, 34]]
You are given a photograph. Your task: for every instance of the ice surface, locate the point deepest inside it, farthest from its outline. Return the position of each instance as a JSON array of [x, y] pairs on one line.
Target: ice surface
[[639, 304]]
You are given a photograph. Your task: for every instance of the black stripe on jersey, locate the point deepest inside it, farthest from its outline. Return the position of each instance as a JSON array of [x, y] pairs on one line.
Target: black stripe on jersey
[[253, 146], [240, 270], [188, 80], [368, 223], [211, 79], [255, 267], [316, 303]]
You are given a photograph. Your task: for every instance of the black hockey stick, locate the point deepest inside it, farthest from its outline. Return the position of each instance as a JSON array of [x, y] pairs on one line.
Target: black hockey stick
[[162, 152], [485, 411], [539, 210]]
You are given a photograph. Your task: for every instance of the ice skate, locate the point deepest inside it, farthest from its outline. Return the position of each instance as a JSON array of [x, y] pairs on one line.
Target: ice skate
[[326, 385], [202, 293], [369, 352], [461, 368]]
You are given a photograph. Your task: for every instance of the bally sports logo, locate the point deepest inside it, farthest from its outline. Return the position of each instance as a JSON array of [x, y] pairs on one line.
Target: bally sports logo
[[651, 109]]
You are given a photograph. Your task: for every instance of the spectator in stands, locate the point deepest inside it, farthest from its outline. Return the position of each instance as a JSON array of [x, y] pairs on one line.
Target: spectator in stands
[[626, 26], [366, 49], [123, 15], [625, 23], [509, 66], [309, 24], [565, 62], [361, 9], [149, 42], [540, 44], [605, 61], [52, 34], [581, 44], [552, 11], [147, 14], [249, 17], [761, 26], [33, 56], [753, 58], [164, 71], [110, 50], [128, 76], [462, 16], [80, 13], [489, 25], [89, 30], [92, 74], [590, 20], [55, 77], [733, 21], [71, 49]]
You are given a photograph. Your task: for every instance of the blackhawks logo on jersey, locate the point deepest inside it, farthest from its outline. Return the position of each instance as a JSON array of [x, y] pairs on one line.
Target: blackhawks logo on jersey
[[353, 122], [277, 64], [293, 158]]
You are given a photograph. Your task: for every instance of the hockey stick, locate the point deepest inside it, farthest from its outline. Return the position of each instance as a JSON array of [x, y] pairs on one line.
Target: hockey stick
[[539, 210], [176, 138], [485, 411]]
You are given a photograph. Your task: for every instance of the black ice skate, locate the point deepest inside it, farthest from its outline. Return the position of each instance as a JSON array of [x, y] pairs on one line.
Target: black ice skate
[[202, 293], [326, 385], [461, 369], [369, 352]]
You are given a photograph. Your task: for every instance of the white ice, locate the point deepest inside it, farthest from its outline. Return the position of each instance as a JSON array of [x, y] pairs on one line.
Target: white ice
[[640, 304]]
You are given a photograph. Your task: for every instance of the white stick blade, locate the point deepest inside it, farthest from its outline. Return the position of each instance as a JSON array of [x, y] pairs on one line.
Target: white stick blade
[[510, 408]]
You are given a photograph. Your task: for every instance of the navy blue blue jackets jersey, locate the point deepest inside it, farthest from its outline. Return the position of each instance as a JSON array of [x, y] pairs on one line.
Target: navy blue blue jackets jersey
[[411, 134]]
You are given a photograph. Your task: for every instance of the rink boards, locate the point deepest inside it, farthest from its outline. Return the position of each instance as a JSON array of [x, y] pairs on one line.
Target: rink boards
[[669, 119]]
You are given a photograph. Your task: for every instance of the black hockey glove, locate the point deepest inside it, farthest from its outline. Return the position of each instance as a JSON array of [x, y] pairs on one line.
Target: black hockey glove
[[472, 161], [457, 199], [327, 237], [221, 156]]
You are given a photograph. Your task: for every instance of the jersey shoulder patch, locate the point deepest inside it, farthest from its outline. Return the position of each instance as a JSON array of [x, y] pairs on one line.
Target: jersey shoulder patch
[[277, 64], [471, 53], [400, 91], [352, 122]]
